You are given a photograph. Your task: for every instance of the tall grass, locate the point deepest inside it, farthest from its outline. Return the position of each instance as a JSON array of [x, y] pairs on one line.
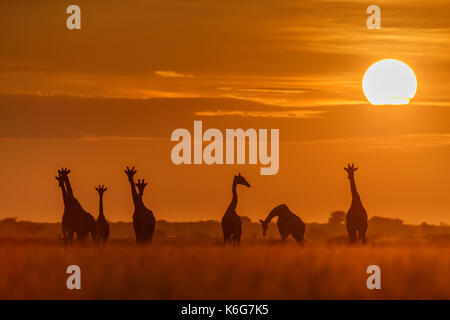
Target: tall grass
[[216, 272]]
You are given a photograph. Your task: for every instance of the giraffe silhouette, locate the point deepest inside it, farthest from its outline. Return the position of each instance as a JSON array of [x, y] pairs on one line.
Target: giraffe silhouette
[[102, 227], [143, 218], [356, 215], [288, 223], [231, 222], [78, 220], [66, 227]]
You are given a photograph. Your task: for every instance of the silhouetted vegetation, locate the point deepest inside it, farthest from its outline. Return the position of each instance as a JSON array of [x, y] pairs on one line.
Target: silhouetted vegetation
[[336, 217], [210, 232]]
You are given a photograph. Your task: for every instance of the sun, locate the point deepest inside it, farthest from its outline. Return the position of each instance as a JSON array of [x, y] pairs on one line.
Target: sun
[[389, 82]]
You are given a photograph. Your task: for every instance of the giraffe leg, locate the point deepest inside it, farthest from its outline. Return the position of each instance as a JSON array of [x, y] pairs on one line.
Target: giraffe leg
[[81, 237], [69, 237], [352, 235], [236, 240], [299, 239], [284, 236], [226, 237], [150, 235], [362, 236]]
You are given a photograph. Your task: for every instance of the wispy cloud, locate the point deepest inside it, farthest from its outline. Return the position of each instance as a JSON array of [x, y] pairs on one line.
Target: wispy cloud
[[267, 89], [94, 138], [299, 114], [88, 138], [392, 142], [172, 74]]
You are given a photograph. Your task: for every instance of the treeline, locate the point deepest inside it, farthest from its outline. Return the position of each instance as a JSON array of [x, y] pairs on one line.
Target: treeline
[[209, 232]]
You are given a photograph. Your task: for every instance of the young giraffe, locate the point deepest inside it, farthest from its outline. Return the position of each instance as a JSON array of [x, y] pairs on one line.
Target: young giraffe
[[80, 221], [288, 223], [231, 222], [143, 219], [66, 228], [102, 227], [356, 215]]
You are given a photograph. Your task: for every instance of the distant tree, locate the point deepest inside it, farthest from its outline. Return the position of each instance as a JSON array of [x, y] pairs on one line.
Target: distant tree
[[336, 217], [9, 221], [391, 227]]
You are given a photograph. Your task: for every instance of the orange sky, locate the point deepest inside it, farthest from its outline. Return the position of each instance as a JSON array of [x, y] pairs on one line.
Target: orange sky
[[110, 95]]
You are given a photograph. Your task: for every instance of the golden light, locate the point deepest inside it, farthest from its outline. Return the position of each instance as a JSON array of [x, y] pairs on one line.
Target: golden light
[[389, 82]]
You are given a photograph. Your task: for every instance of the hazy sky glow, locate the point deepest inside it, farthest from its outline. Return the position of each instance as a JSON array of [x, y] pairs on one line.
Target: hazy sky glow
[[109, 95]]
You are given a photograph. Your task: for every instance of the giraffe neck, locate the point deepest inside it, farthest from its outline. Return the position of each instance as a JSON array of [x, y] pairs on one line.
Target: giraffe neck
[[68, 186], [355, 195], [141, 199], [64, 195], [136, 199], [270, 217], [100, 209], [234, 200], [274, 213]]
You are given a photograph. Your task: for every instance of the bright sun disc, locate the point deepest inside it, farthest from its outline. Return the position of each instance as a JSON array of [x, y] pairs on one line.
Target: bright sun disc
[[389, 82]]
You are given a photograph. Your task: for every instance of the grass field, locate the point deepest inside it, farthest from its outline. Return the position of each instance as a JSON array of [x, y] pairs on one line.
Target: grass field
[[123, 271]]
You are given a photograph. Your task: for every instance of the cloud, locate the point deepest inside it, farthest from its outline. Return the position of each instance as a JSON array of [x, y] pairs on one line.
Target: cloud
[[299, 114], [86, 138], [404, 142], [268, 89], [172, 74], [95, 138]]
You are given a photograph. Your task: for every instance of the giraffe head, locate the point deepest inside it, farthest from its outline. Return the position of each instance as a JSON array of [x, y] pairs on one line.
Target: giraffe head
[[241, 180], [64, 172], [101, 189], [141, 184], [130, 173], [264, 225], [60, 179], [351, 170]]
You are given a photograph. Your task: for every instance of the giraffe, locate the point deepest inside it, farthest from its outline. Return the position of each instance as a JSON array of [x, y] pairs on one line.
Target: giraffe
[[80, 221], [102, 227], [231, 222], [356, 215], [288, 223], [143, 218], [66, 228]]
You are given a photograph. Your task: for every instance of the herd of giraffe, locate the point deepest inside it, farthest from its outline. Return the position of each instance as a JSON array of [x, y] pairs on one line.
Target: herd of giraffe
[[76, 220]]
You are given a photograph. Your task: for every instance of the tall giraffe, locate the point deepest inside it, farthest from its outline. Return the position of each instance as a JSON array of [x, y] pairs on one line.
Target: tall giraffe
[[102, 226], [288, 223], [143, 219], [231, 222], [356, 215], [81, 222], [66, 228]]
